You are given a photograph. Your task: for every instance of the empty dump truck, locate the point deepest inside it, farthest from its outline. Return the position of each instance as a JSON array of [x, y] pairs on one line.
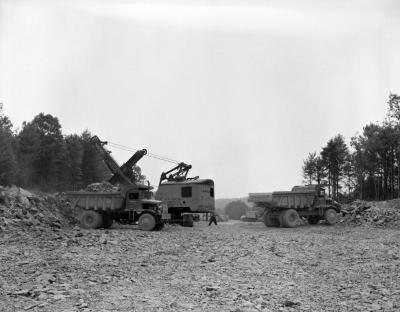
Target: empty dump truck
[[285, 208]]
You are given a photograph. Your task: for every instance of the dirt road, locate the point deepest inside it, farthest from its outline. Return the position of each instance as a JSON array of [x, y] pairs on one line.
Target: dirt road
[[230, 267]]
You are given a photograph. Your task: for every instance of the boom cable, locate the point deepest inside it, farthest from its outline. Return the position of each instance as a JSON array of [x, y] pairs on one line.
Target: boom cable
[[131, 149]]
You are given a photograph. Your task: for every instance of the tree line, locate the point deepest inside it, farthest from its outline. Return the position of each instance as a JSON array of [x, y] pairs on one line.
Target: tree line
[[367, 168], [39, 156], [235, 209]]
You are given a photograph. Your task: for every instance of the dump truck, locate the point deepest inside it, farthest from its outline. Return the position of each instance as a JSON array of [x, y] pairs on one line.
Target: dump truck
[[285, 208], [131, 205], [134, 203]]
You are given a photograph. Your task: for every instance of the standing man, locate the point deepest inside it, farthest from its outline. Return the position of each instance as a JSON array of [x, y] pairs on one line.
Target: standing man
[[213, 219]]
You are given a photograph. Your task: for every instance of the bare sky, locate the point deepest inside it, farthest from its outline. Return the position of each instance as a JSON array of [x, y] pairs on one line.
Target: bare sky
[[242, 90]]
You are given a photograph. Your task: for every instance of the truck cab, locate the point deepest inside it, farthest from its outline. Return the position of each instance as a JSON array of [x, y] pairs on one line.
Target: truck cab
[[139, 201]]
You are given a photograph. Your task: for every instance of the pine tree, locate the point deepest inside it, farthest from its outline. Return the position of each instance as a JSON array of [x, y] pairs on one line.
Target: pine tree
[[28, 149], [74, 147], [309, 168], [8, 161], [334, 156], [93, 167], [48, 152]]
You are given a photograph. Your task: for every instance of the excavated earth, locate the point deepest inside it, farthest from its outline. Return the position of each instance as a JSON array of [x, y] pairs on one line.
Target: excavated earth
[[235, 266]]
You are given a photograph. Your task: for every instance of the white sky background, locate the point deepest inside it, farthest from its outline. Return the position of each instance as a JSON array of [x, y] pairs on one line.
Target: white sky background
[[242, 90]]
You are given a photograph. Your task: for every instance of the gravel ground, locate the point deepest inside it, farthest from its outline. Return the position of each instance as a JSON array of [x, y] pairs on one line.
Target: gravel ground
[[234, 266]]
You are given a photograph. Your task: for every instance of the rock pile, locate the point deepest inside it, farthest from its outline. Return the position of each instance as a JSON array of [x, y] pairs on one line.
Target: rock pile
[[383, 214], [102, 187], [21, 209]]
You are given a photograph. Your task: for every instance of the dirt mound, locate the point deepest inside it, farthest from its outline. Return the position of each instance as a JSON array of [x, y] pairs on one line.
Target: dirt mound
[[21, 209], [383, 214], [102, 187]]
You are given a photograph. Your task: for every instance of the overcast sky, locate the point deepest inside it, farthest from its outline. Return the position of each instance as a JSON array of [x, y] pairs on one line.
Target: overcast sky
[[242, 90]]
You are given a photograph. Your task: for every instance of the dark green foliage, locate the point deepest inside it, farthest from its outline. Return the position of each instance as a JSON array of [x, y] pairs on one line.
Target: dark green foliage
[[92, 166], [28, 151], [8, 161], [377, 161], [309, 168], [50, 158], [334, 156], [371, 169], [313, 168], [394, 107], [234, 210], [74, 152], [332, 163], [39, 156]]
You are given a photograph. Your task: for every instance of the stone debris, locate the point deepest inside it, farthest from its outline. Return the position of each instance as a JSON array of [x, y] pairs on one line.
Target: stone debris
[[49, 264], [21, 209], [102, 187], [381, 214], [231, 267]]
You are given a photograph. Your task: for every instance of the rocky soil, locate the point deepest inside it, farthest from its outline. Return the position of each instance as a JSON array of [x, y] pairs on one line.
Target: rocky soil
[[50, 264], [380, 214], [235, 266], [22, 209]]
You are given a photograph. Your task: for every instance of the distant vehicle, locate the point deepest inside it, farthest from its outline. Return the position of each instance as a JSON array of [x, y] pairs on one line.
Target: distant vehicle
[[285, 208], [250, 216], [185, 195]]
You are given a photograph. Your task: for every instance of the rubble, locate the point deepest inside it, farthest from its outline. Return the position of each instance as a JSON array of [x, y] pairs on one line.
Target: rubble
[[234, 266], [25, 210], [381, 214], [102, 187]]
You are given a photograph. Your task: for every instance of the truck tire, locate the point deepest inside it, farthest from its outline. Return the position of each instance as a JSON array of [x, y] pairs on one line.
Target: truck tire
[[90, 219], [290, 218], [107, 222], [330, 216], [268, 220], [313, 219], [147, 222]]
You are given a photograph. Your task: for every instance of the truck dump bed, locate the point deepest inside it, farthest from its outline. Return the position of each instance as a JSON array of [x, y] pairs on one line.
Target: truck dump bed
[[103, 201], [261, 199], [296, 200], [291, 199]]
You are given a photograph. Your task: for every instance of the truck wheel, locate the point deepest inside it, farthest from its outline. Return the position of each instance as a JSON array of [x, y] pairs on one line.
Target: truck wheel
[[290, 218], [107, 222], [147, 222], [268, 220], [330, 216], [313, 219], [91, 219]]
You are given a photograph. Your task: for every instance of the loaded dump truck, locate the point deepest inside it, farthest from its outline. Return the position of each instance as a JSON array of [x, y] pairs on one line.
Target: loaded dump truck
[[134, 203], [285, 208], [130, 205]]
